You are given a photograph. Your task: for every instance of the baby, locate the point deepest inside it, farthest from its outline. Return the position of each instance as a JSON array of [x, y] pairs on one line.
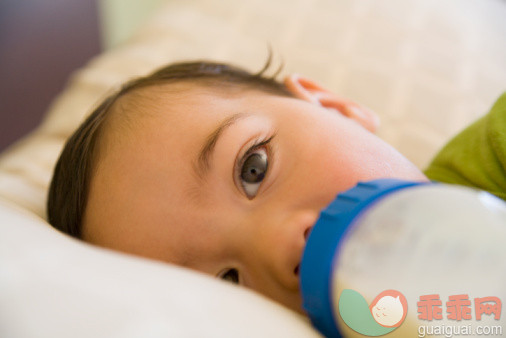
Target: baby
[[210, 167]]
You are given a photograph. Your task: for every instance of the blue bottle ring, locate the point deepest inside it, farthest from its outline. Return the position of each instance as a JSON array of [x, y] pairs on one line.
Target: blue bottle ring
[[323, 243]]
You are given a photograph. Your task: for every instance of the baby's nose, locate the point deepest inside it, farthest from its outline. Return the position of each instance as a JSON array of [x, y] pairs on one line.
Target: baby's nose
[[308, 231], [285, 245]]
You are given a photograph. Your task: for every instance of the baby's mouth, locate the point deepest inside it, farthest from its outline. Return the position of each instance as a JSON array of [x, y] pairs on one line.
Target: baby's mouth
[[296, 270]]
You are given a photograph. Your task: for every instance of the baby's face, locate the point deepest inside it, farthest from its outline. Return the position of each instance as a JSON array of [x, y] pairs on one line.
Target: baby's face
[[229, 184]]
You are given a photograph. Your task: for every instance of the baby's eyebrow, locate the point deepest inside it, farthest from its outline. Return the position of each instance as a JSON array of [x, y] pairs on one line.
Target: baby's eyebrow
[[207, 149]]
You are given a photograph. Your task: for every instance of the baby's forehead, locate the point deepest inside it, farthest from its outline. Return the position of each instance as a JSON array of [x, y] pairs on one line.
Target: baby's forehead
[[185, 91], [141, 105], [184, 102], [178, 100]]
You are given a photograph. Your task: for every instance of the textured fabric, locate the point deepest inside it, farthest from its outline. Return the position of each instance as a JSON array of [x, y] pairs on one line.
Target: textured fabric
[[477, 156]]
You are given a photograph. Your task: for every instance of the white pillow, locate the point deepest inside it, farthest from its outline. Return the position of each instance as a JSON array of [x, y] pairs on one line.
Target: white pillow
[[427, 67], [55, 286]]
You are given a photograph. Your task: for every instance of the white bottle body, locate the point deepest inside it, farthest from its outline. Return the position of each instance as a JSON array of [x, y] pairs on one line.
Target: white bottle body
[[423, 240]]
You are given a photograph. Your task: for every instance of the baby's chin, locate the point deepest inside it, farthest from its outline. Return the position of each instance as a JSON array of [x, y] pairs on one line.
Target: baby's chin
[[297, 306], [294, 303]]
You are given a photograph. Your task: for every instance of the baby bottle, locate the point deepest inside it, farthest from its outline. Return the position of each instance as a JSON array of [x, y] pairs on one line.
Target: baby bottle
[[407, 259]]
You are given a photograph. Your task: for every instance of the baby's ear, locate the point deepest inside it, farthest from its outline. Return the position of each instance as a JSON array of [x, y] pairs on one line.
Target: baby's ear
[[308, 90]]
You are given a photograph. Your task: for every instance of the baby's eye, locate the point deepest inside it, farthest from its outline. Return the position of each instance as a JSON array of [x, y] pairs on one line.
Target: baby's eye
[[230, 275], [253, 171]]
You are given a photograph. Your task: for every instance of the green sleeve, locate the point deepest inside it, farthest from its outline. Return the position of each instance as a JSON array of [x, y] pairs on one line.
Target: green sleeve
[[477, 156]]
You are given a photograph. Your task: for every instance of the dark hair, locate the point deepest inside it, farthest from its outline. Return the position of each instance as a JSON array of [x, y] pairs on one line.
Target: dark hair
[[68, 191]]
